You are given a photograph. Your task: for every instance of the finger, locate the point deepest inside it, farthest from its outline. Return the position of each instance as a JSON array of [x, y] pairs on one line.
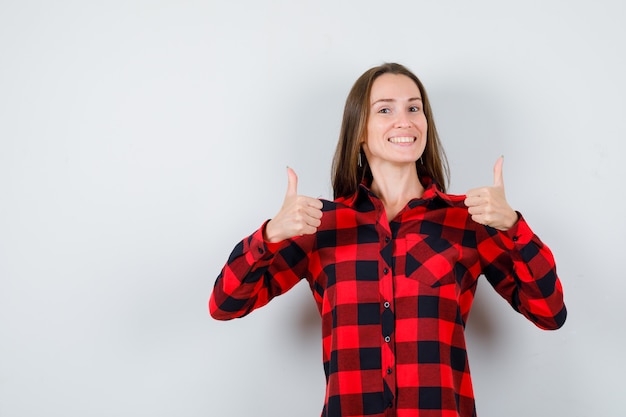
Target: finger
[[479, 218], [305, 224], [313, 222], [305, 202], [315, 203], [476, 196], [473, 201], [308, 230], [498, 179], [292, 182], [314, 213]]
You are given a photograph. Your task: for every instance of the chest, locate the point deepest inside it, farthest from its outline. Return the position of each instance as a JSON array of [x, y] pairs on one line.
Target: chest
[[362, 255]]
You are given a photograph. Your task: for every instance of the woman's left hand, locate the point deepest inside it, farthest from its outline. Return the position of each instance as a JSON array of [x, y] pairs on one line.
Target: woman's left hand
[[488, 205]]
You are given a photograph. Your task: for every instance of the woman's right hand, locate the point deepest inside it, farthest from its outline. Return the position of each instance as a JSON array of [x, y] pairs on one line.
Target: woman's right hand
[[299, 215]]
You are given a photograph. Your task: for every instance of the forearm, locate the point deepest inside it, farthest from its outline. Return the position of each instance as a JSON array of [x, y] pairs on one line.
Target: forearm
[[525, 274], [252, 276]]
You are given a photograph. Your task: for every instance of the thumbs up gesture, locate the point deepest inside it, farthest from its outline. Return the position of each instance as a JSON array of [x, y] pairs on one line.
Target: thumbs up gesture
[[488, 205], [299, 215]]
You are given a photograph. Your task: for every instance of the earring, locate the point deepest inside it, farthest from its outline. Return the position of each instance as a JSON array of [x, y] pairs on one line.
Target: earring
[[359, 161], [421, 161]]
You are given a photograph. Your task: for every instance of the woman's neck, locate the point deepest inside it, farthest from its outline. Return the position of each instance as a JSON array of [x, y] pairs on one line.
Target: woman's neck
[[396, 186]]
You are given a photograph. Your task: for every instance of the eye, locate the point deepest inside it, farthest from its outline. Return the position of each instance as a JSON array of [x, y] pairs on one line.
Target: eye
[[384, 110], [414, 109]]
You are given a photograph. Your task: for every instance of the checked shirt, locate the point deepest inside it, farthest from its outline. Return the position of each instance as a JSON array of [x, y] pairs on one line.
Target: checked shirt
[[394, 297]]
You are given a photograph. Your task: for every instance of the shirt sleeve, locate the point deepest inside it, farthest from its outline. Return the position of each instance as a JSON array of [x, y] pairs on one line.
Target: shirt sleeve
[[256, 272], [522, 269]]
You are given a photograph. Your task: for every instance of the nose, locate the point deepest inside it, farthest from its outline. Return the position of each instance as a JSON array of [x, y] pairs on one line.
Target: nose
[[403, 120]]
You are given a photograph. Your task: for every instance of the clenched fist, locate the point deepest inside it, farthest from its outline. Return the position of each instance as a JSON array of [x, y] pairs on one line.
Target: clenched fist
[[488, 205], [299, 215]]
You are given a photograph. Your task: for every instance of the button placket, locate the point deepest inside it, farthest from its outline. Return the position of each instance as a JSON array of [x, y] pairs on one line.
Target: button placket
[[387, 314]]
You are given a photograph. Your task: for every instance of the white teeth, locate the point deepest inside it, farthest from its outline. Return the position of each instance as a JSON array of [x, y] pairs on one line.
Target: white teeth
[[402, 139]]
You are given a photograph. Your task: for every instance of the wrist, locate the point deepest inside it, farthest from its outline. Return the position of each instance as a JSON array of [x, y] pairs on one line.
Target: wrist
[[269, 234], [511, 220]]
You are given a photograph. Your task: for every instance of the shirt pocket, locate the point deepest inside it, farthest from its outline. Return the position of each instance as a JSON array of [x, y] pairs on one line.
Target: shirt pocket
[[430, 260]]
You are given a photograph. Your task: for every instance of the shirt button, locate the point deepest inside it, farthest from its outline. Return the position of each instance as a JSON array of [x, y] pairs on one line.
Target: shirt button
[[386, 304], [515, 238], [389, 371], [387, 339], [386, 271], [387, 239]]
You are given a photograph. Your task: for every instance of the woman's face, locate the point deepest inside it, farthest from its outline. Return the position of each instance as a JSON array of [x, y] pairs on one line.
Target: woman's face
[[397, 126]]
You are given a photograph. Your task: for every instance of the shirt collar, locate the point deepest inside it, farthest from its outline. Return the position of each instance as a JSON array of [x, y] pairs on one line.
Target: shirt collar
[[362, 198]]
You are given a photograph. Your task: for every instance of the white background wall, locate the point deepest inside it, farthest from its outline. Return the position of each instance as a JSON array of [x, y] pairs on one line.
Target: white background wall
[[140, 140]]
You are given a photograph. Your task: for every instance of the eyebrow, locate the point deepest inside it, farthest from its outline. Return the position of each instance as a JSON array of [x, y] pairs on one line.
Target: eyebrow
[[391, 100]]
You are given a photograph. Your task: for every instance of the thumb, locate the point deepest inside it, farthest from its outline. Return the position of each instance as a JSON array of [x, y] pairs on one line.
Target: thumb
[[292, 182], [498, 179]]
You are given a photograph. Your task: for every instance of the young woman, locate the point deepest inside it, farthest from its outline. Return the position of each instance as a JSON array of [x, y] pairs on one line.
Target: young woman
[[393, 261]]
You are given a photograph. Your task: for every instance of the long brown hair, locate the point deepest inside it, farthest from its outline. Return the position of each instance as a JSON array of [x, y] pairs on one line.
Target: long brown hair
[[346, 172]]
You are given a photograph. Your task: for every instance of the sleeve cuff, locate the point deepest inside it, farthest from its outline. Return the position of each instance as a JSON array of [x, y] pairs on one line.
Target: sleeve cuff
[[259, 247], [519, 235]]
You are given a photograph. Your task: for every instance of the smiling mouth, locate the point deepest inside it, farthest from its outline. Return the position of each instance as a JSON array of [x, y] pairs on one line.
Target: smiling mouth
[[402, 139]]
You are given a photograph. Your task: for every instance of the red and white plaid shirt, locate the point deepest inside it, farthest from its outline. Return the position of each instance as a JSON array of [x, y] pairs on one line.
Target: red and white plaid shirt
[[394, 297]]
